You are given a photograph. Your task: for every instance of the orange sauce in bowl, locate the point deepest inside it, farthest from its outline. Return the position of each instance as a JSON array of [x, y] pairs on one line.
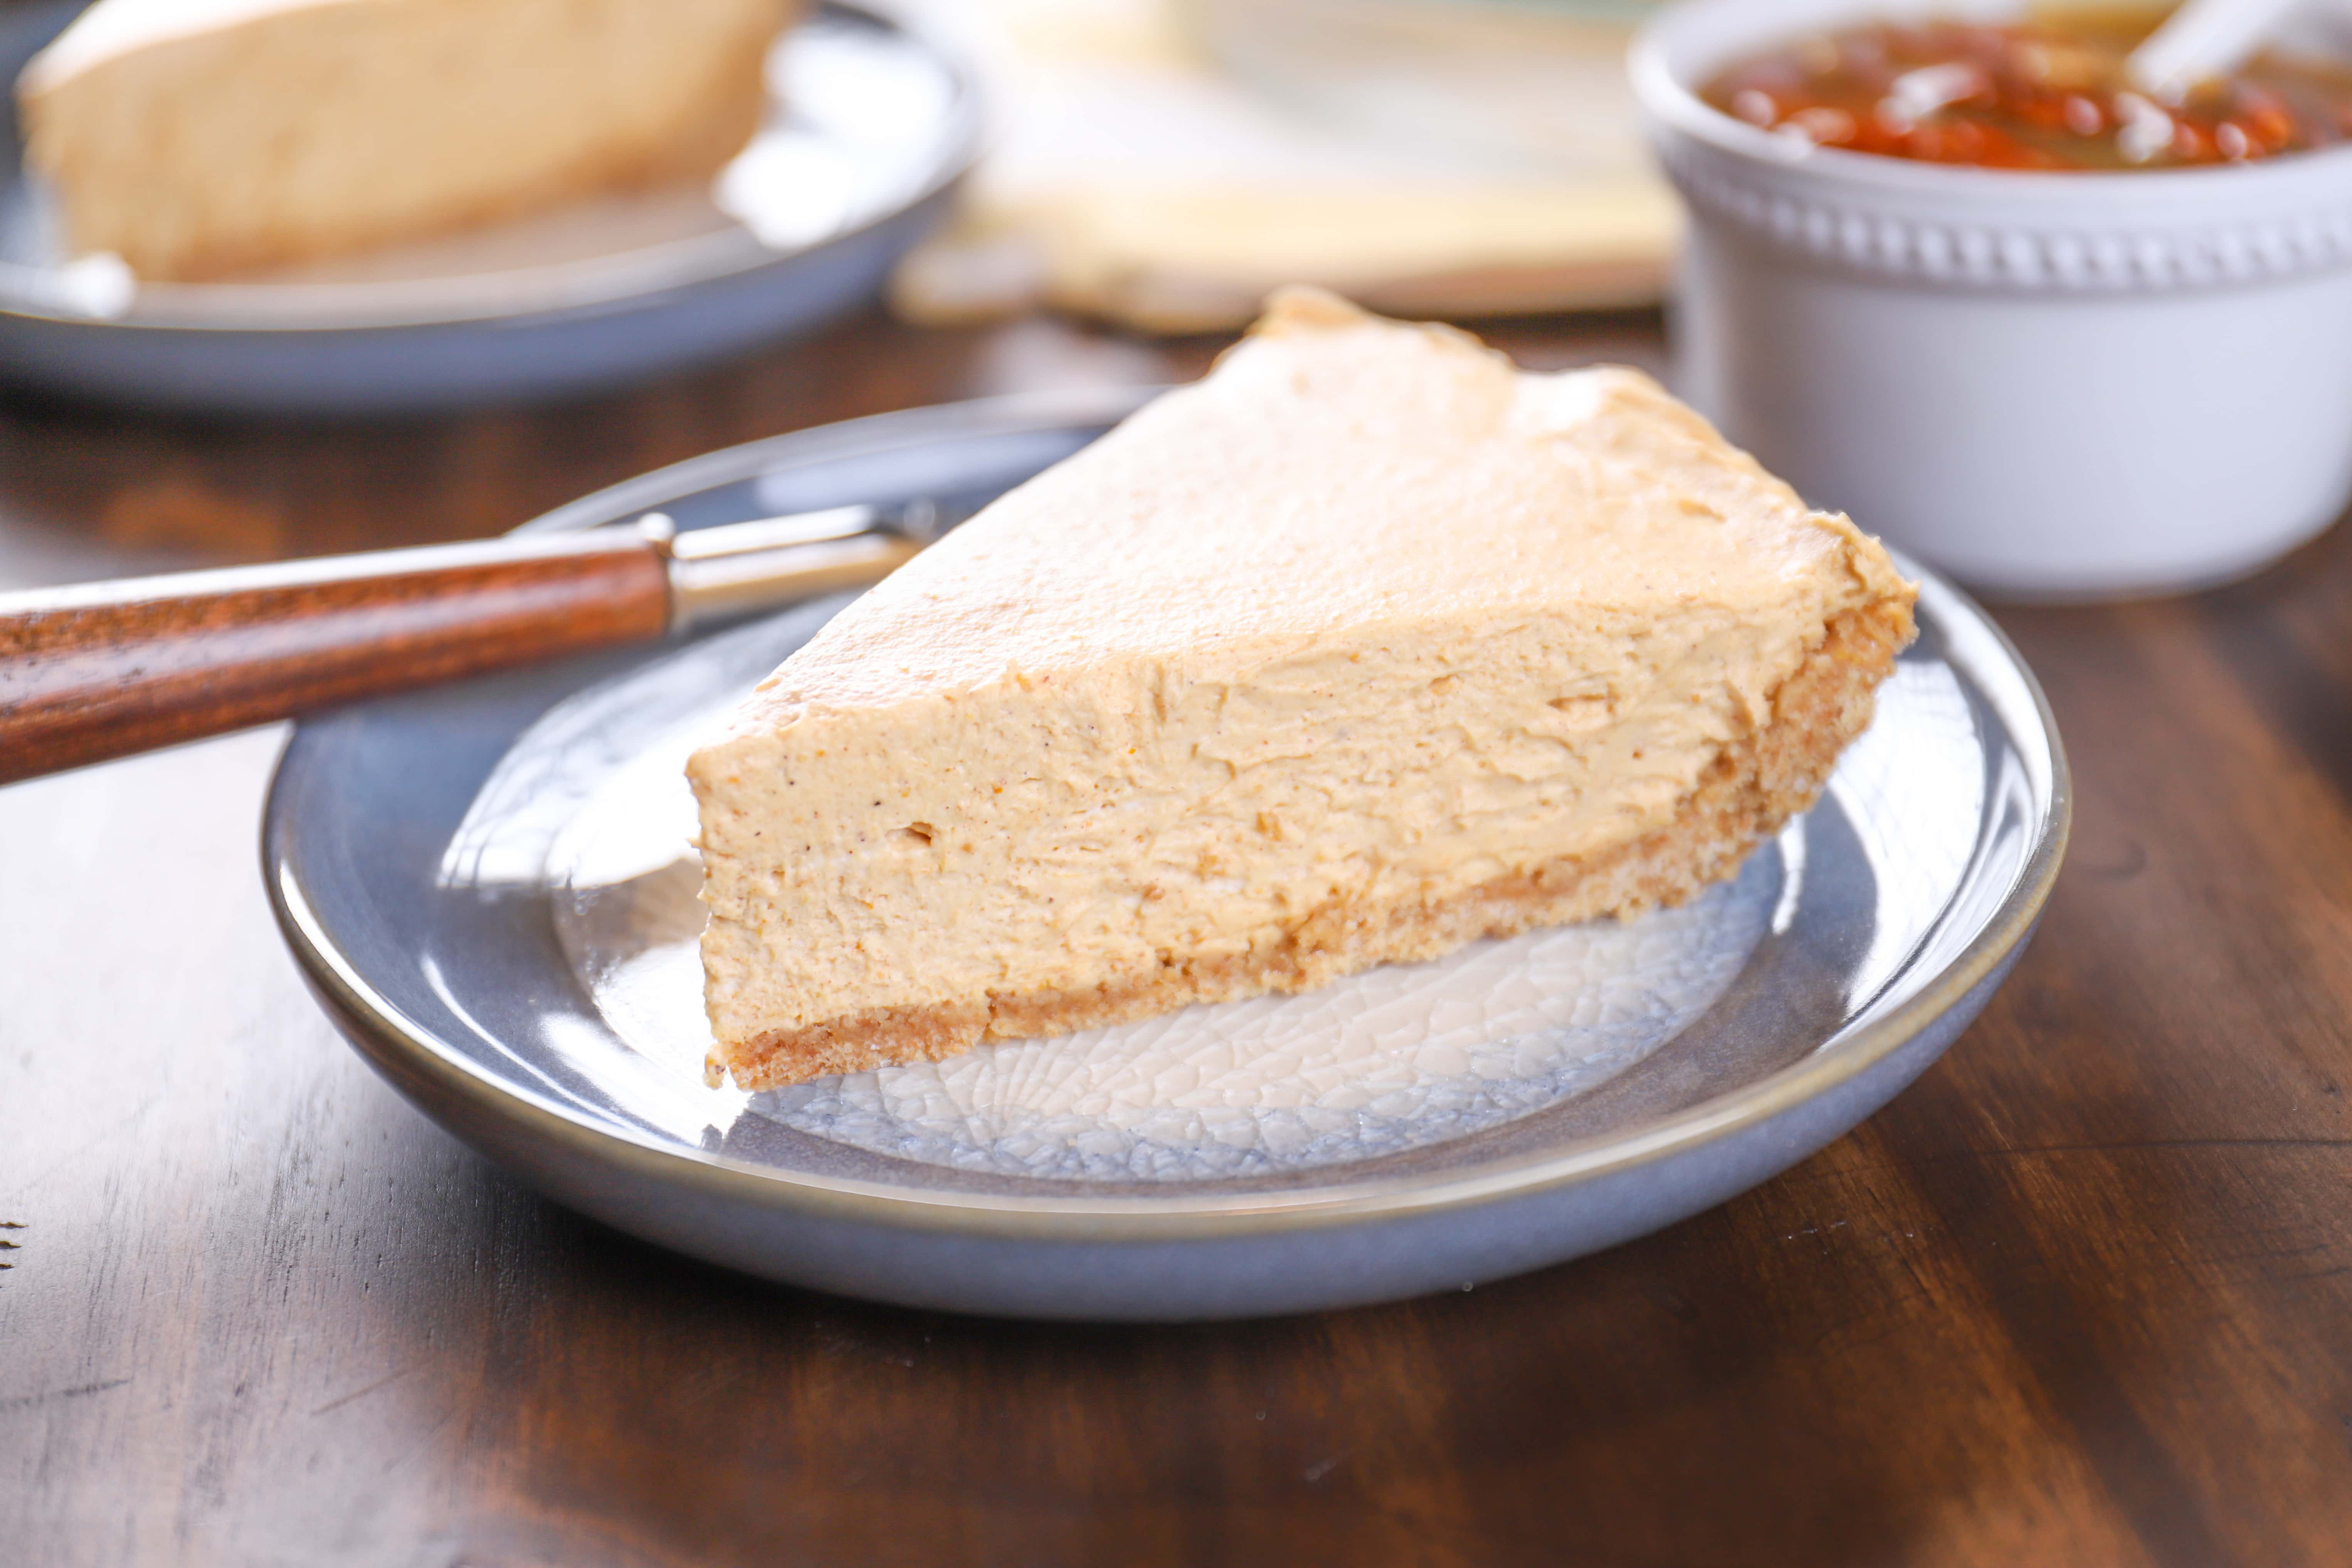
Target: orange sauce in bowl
[[2031, 95]]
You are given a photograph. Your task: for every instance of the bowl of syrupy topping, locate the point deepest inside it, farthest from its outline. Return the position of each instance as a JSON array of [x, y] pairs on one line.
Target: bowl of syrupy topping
[[1950, 270]]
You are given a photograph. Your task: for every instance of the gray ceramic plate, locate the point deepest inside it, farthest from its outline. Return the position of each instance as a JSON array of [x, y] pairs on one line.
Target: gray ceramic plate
[[876, 120], [489, 888]]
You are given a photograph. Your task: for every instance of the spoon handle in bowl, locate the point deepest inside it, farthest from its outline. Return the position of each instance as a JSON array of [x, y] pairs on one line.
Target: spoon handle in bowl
[[2202, 38]]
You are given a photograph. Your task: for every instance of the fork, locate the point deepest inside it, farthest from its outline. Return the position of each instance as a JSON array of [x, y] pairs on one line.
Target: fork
[[98, 670]]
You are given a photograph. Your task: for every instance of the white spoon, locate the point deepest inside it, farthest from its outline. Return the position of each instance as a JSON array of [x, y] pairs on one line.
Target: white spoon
[[2203, 38]]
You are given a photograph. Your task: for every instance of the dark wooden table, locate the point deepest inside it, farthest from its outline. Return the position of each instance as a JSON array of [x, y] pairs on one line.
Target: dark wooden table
[[2082, 1295]]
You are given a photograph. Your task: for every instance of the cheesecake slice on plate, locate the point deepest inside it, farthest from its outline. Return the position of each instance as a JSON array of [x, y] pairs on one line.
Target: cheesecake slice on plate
[[1365, 646], [197, 139]]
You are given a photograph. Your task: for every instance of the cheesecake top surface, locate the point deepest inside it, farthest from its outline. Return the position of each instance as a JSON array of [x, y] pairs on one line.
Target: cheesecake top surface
[[1340, 472], [1366, 620], [112, 28]]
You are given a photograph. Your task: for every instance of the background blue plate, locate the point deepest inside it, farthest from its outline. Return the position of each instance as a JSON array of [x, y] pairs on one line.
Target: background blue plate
[[878, 120]]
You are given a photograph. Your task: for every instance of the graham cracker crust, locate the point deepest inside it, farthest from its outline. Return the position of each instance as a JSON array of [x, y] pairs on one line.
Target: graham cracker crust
[[1753, 788]]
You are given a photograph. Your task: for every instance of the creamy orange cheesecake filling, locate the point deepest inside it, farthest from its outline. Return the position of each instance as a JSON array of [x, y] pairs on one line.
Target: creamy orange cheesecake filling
[[1366, 645]]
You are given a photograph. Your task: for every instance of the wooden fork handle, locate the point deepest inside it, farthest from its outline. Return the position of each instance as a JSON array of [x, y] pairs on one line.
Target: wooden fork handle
[[88, 673]]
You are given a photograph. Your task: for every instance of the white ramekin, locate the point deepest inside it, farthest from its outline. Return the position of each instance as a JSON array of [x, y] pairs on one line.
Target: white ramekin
[[2049, 385]]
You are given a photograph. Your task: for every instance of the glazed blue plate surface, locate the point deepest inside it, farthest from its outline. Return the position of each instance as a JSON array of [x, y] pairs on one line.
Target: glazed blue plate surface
[[488, 887]]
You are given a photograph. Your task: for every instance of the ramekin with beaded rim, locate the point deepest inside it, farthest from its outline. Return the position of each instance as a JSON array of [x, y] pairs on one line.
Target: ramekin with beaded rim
[[2052, 385]]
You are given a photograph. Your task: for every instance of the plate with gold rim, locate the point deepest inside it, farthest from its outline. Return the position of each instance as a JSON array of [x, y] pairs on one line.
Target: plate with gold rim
[[490, 888]]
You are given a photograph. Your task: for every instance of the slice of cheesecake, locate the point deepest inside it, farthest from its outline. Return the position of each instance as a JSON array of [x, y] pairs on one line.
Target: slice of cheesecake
[[199, 138], [1363, 647]]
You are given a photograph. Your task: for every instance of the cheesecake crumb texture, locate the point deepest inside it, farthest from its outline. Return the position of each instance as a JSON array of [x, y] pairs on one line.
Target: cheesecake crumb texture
[[1366, 646]]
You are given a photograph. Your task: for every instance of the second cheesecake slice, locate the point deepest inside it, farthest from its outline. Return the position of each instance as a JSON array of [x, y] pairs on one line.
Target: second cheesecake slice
[[199, 138], [1366, 646]]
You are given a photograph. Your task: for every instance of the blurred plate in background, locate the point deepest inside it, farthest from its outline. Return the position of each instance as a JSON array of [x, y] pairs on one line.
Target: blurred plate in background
[[874, 122]]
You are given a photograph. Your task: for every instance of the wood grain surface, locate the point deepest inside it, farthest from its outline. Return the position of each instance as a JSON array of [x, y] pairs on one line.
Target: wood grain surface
[[2081, 1296], [94, 673]]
